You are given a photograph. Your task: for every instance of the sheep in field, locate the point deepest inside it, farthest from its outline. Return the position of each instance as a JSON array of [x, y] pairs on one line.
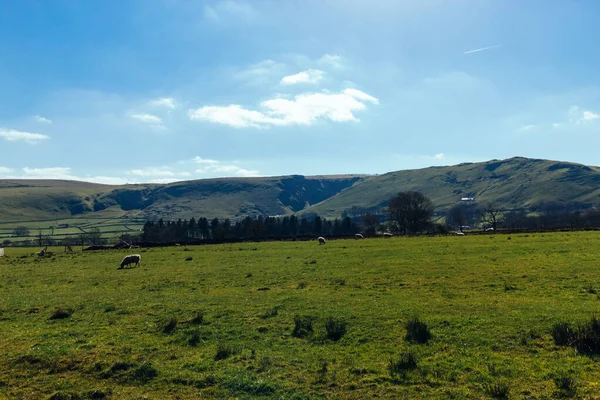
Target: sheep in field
[[131, 259], [387, 235], [321, 240], [460, 233], [359, 236]]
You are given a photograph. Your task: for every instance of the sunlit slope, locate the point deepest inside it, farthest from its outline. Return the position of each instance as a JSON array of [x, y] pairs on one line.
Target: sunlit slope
[[25, 200], [515, 183]]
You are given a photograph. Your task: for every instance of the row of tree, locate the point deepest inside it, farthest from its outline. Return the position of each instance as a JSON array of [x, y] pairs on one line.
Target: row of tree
[[247, 228]]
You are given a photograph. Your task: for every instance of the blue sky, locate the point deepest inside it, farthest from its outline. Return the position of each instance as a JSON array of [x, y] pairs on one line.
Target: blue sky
[[167, 90]]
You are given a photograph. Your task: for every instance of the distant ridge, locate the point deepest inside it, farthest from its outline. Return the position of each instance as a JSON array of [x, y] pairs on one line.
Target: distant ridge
[[514, 183]]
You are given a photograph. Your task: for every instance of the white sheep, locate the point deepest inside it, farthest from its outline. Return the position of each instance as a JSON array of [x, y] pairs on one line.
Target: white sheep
[[321, 240], [359, 236], [387, 235], [131, 259], [460, 233]]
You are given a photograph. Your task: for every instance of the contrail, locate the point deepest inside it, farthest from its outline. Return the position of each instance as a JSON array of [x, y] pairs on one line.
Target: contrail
[[482, 49]]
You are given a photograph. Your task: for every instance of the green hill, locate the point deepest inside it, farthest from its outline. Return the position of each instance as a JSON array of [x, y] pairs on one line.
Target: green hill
[[25, 200], [515, 183]]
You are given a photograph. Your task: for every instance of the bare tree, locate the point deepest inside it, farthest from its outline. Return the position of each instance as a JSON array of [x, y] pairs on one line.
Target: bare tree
[[491, 215], [370, 222]]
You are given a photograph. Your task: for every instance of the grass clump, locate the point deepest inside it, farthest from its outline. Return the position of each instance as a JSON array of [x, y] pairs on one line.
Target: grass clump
[[417, 331], [585, 338], [271, 313], [167, 325], [144, 373], [335, 328], [563, 334], [223, 351], [303, 326], [566, 385], [61, 313], [302, 285], [400, 366], [198, 319], [498, 390]]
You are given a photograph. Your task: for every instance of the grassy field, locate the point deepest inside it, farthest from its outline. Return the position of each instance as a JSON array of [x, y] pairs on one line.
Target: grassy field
[[109, 227], [218, 321]]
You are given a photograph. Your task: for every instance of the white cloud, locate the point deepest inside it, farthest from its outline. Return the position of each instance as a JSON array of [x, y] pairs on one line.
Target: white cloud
[[557, 125], [579, 116], [590, 116], [332, 60], [158, 172], [147, 118], [229, 170], [167, 102], [304, 109], [526, 128], [308, 76], [5, 170], [42, 120], [48, 173], [439, 156], [200, 160], [12, 135]]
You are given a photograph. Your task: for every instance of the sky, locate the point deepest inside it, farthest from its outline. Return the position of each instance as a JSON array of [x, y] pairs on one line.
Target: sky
[[145, 91]]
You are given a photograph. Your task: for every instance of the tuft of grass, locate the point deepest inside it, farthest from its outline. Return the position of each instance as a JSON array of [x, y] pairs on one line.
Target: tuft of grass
[[144, 373], [303, 326], [566, 385], [271, 313], [417, 331], [322, 371], [246, 384], [400, 366], [563, 334], [335, 328], [587, 338], [198, 319], [509, 287], [167, 325], [223, 352], [189, 258], [498, 390], [193, 338], [61, 313], [302, 285]]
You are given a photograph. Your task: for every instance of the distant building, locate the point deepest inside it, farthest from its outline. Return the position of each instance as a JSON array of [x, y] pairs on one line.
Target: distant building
[[467, 199]]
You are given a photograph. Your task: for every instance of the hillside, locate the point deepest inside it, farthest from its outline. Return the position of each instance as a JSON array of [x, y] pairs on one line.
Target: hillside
[[515, 183], [24, 200]]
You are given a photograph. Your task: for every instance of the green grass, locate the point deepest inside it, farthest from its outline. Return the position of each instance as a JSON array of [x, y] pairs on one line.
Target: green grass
[[137, 332]]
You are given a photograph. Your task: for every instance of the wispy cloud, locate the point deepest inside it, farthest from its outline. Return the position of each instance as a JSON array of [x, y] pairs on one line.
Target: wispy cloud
[[159, 172], [5, 170], [526, 128], [12, 135], [439, 156], [482, 49], [200, 160], [42, 120], [332, 60], [151, 120], [579, 116], [167, 102], [304, 109], [308, 76]]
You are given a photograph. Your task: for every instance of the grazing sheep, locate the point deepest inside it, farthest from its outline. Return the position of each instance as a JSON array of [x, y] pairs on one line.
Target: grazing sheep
[[321, 240], [387, 235], [131, 259], [358, 236], [460, 233], [1, 252]]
